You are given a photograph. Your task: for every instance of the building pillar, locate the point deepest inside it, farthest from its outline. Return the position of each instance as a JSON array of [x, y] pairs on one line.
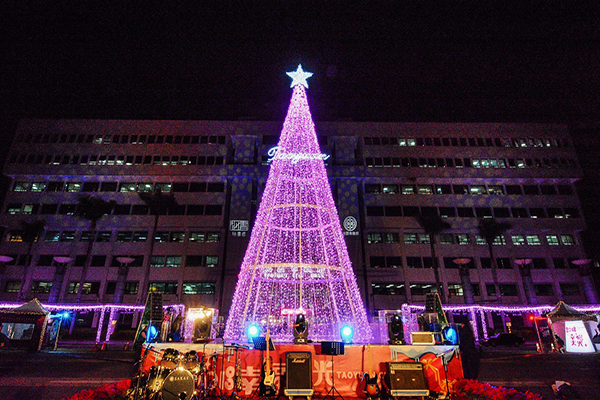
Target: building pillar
[[524, 265]]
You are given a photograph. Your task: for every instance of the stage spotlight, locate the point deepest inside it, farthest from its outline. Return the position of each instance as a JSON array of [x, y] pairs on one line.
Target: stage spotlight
[[152, 334], [300, 330], [201, 329], [253, 331], [347, 333], [396, 330], [450, 335]]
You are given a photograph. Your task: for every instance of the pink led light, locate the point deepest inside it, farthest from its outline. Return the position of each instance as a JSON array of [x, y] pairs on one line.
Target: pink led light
[[297, 257]]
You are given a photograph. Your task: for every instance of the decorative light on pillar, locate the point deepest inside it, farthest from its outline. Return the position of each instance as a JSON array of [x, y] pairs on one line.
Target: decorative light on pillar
[[297, 256]]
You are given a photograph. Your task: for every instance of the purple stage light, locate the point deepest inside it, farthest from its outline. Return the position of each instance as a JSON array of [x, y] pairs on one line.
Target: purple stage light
[[297, 257]]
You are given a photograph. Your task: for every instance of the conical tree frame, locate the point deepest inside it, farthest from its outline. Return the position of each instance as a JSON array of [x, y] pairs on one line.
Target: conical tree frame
[[297, 260]]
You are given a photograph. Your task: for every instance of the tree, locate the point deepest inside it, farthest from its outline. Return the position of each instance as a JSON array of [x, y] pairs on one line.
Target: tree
[[90, 208], [159, 204], [433, 225], [490, 229], [31, 232]]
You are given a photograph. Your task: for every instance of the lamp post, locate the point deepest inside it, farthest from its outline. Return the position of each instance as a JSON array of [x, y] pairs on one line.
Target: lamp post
[[585, 272], [525, 270], [465, 279]]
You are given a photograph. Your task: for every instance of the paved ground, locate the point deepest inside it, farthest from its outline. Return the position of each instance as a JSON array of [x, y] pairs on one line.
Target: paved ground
[[75, 367], [524, 369]]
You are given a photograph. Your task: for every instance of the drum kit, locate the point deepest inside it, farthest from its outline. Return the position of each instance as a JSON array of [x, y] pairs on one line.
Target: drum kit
[[179, 376]]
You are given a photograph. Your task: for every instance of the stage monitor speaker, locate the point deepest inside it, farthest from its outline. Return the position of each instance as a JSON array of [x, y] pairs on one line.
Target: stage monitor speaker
[[422, 338], [407, 379], [298, 376], [201, 328]]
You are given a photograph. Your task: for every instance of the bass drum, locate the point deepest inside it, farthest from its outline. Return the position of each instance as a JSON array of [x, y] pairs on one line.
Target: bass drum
[[156, 377], [179, 385]]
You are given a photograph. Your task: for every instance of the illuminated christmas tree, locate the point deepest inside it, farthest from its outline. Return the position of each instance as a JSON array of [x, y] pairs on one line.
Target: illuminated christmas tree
[[297, 260]]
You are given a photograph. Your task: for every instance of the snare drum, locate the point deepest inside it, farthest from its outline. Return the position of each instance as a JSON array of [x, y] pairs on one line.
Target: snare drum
[[170, 358]]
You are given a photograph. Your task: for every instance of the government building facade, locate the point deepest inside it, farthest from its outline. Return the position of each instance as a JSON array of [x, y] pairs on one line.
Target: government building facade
[[382, 175]]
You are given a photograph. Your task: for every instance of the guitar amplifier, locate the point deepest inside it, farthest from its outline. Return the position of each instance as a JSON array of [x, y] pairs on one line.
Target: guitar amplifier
[[298, 376], [422, 338], [407, 379]]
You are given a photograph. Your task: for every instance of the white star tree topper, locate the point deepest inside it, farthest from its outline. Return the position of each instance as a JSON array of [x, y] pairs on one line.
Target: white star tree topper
[[299, 77]]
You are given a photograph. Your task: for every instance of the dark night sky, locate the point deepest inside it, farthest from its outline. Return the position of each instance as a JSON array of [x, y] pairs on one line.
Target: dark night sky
[[396, 61]]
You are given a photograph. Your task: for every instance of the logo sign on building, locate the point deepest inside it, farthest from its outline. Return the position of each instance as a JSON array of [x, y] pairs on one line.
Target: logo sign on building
[[350, 224], [238, 227], [577, 339]]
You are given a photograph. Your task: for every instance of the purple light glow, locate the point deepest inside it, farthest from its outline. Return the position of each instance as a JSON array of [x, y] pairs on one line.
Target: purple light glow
[[297, 257]]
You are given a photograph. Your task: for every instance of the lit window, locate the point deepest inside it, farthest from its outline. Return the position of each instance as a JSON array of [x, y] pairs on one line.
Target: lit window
[[392, 237], [21, 186], [52, 236], [197, 237], [424, 238], [518, 240], [212, 261], [455, 289], [552, 240], [199, 288], [463, 238], [374, 238], [140, 236], [213, 237], [425, 189], [38, 186], [410, 238], [567, 240], [74, 187], [173, 261], [533, 240], [408, 189], [477, 189], [41, 287], [390, 189], [176, 237], [12, 287]]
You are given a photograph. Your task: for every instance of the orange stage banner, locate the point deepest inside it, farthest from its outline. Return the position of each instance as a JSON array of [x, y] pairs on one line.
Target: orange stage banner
[[441, 364]]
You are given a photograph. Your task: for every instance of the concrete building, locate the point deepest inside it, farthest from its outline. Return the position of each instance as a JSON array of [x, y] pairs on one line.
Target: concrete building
[[383, 175]]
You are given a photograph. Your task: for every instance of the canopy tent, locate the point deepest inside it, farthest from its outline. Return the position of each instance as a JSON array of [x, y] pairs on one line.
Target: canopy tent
[[574, 327], [562, 312], [24, 326]]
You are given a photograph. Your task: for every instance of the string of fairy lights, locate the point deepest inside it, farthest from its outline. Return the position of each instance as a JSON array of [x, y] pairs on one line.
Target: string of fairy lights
[[297, 257]]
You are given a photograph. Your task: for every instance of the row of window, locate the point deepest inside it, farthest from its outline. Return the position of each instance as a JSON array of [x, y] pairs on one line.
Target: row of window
[[389, 188], [377, 262], [472, 212], [474, 162], [124, 236], [119, 160], [121, 139], [118, 209], [130, 287], [465, 239], [520, 142], [142, 187], [156, 261], [456, 289]]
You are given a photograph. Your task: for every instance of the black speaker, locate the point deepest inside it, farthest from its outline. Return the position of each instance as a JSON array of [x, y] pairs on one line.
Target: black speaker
[[298, 376], [156, 307], [406, 379]]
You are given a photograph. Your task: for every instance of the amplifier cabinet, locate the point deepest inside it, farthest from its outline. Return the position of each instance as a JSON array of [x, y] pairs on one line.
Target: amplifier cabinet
[[407, 379], [298, 375]]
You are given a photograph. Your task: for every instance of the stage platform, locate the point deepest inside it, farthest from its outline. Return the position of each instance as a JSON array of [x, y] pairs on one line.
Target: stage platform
[[441, 364]]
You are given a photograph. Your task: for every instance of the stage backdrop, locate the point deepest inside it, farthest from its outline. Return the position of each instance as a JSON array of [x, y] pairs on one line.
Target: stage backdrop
[[347, 370]]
